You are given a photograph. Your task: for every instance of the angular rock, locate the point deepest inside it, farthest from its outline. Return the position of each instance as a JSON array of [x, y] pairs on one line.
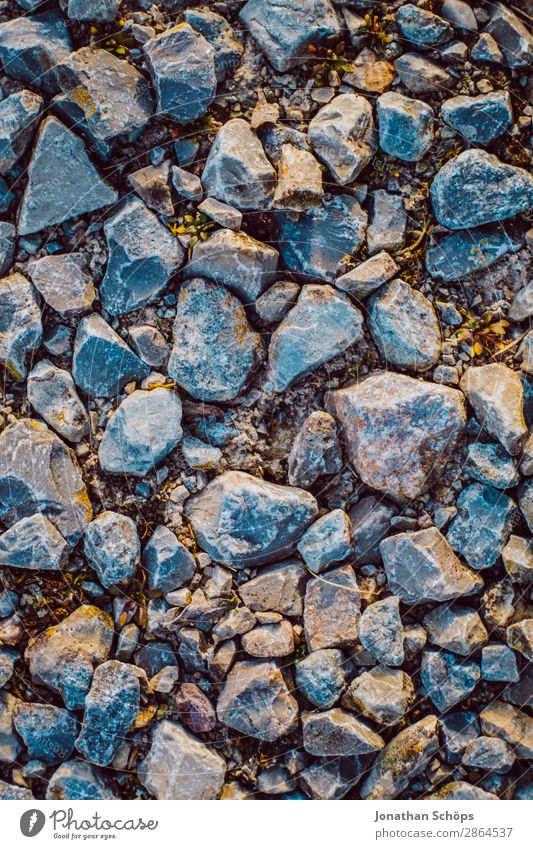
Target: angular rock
[[52, 393], [487, 50], [512, 36], [221, 36], [278, 588], [246, 521], [152, 186], [215, 350], [275, 640], [461, 790], [256, 701], [512, 725], [18, 115], [482, 526], [405, 126], [187, 185], [381, 631], [7, 245], [31, 47], [456, 629], [520, 637], [446, 679], [460, 254], [498, 663], [330, 778], [517, 558], [406, 755], [368, 275], [320, 677], [49, 732], [327, 541], [460, 14], [274, 304], [371, 518], [93, 10], [421, 27], [150, 344], [21, 329], [10, 744], [112, 547], [497, 398], [33, 543], [195, 709], [77, 779], [522, 306], [315, 451], [479, 119], [198, 455], [336, 590], [422, 75], [489, 754], [63, 282], [370, 72], [226, 216], [14, 792], [490, 464], [343, 137], [299, 185], [168, 563], [336, 732], [102, 362], [382, 694], [386, 231]]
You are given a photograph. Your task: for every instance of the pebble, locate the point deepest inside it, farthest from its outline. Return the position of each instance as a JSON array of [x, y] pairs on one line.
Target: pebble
[[274, 304], [490, 464], [422, 75], [381, 694], [256, 701], [315, 450], [496, 395], [278, 588], [32, 45], [327, 541], [343, 137], [271, 640], [102, 363], [386, 231], [336, 590], [336, 732], [446, 679], [299, 185], [21, 330], [19, 113], [456, 629], [480, 119], [381, 631], [517, 556], [321, 677], [221, 213], [33, 543], [489, 754], [194, 709], [112, 546], [405, 126], [498, 663]]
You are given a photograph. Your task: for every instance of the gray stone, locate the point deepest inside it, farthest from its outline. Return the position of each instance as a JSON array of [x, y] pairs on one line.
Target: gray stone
[[150, 344], [371, 518], [52, 393], [404, 326], [152, 186], [7, 245], [496, 395], [421, 567], [520, 637], [256, 701], [336, 732], [517, 558], [381, 694], [14, 792], [525, 351], [490, 464], [522, 306], [479, 119], [93, 10], [33, 543], [278, 588], [512, 36], [18, 115], [482, 526], [381, 631], [489, 754], [498, 663], [221, 213], [343, 137], [322, 325], [316, 242], [336, 590], [246, 521], [299, 185], [182, 66], [320, 677], [8, 657], [458, 255], [315, 451], [77, 779], [271, 640], [370, 72], [460, 14], [284, 31], [327, 541], [525, 501], [62, 182], [63, 282], [477, 188], [144, 428], [457, 730], [386, 231], [220, 35], [39, 474], [10, 744], [31, 47], [405, 126], [237, 621], [21, 330], [421, 27], [487, 50], [49, 732], [422, 75], [215, 350], [199, 455], [187, 185], [405, 756], [274, 304], [112, 547], [369, 275], [456, 629], [512, 725], [237, 171], [399, 432], [102, 362], [461, 790], [143, 256], [168, 563], [236, 260], [331, 778], [446, 679]]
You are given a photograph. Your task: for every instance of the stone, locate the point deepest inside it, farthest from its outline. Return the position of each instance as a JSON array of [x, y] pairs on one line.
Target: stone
[[456, 629], [63, 656], [19, 113], [31, 47], [490, 464], [278, 588], [522, 306], [39, 474], [284, 31], [7, 246], [460, 254], [461, 790], [143, 256], [199, 455], [93, 10], [484, 520], [405, 126], [111, 706], [179, 766], [422, 75], [103, 97], [237, 171], [221, 213], [168, 563], [256, 701], [487, 50], [327, 541], [62, 182], [421, 27], [520, 637], [21, 330], [182, 67], [77, 779], [64, 283], [381, 694], [145, 427], [152, 185], [150, 344], [525, 501], [454, 52], [186, 185], [369, 275], [489, 754], [316, 242], [299, 185], [221, 36], [315, 450], [235, 260], [273, 640], [342, 136], [381, 631], [386, 231], [103, 364], [274, 304], [14, 792], [512, 725], [479, 119], [10, 744], [496, 395], [460, 14], [322, 325], [399, 432], [498, 663], [458, 729], [404, 757], [194, 709], [336, 590], [477, 188], [512, 36], [517, 558], [422, 567], [331, 778], [446, 679], [245, 521], [370, 518], [215, 351], [370, 73], [526, 353], [52, 393], [33, 543], [238, 621], [336, 732], [320, 677], [49, 732], [112, 547], [404, 326], [8, 657]]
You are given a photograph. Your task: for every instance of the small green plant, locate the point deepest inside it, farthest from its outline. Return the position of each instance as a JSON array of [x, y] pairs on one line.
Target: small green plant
[[196, 226], [375, 32], [331, 60], [483, 334]]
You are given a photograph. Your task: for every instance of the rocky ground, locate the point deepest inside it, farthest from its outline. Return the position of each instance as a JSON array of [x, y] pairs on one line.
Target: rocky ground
[[266, 484]]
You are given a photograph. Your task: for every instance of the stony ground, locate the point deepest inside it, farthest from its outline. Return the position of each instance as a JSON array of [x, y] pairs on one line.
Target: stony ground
[[265, 470]]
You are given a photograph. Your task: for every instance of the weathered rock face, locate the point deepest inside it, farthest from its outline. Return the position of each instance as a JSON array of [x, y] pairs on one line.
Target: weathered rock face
[[337, 589], [381, 694], [457, 629], [337, 732], [315, 451], [497, 397], [63, 282], [327, 541], [30, 48], [39, 474], [49, 733], [179, 766], [112, 546], [18, 115], [168, 563], [446, 679], [368, 275], [33, 543], [256, 701], [343, 137], [482, 526], [215, 350], [476, 188], [52, 393], [459, 254], [279, 588], [102, 362], [381, 631], [405, 126], [320, 677], [21, 329], [77, 779], [245, 521], [399, 432], [479, 119]]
